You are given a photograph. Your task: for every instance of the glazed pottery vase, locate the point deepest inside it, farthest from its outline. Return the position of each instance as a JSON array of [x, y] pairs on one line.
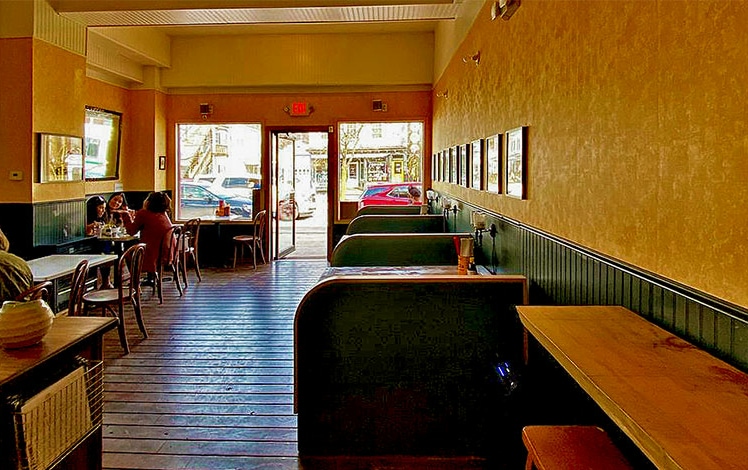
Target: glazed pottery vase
[[24, 323]]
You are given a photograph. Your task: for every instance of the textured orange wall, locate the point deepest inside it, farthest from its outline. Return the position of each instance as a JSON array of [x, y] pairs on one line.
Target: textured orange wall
[[638, 124], [140, 175], [112, 98], [15, 118], [58, 107]]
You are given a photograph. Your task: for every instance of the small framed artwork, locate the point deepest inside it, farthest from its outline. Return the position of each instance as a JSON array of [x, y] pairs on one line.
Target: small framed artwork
[[493, 163], [60, 158], [464, 167], [433, 167], [162, 162], [476, 164], [444, 165], [453, 165], [515, 165]]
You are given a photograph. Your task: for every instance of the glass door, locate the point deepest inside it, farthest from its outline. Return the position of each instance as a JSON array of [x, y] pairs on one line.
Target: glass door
[[283, 157]]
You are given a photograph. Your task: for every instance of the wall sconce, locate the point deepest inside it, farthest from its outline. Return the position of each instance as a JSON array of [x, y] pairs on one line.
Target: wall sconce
[[431, 195], [478, 222], [444, 94], [475, 58], [504, 9], [206, 110]]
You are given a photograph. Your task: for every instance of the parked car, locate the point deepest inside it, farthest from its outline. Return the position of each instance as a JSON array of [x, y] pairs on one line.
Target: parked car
[[196, 200], [238, 185], [387, 194]]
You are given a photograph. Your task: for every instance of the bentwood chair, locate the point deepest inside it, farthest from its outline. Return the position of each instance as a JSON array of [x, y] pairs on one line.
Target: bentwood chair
[[254, 241], [38, 291], [188, 247], [113, 300], [168, 259], [77, 289]]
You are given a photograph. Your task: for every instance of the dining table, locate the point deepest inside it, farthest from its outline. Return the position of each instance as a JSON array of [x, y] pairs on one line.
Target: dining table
[[59, 270], [683, 407]]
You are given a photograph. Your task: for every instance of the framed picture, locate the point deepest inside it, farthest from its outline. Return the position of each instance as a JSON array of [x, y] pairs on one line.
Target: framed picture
[[476, 164], [515, 165], [442, 166], [493, 163], [60, 158], [453, 165], [464, 168], [162, 162]]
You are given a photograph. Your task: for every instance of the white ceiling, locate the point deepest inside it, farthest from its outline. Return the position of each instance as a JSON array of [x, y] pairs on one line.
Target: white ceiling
[[196, 17]]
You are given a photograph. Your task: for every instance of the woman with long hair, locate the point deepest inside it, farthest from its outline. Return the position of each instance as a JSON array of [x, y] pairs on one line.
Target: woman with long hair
[[152, 221]]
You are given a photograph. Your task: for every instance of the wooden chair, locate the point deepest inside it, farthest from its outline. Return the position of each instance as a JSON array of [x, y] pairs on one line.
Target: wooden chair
[[38, 291], [77, 289], [571, 448], [113, 301], [188, 247], [168, 259], [254, 241]]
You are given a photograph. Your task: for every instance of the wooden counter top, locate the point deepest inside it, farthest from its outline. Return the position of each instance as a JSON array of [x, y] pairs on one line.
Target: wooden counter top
[[684, 408], [66, 332]]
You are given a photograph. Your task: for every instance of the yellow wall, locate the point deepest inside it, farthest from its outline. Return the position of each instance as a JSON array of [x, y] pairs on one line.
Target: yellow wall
[[16, 149], [637, 128]]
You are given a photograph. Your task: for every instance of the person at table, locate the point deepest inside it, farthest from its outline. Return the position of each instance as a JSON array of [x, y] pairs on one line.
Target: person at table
[[96, 215], [152, 221], [15, 273], [414, 194], [96, 218], [116, 207]]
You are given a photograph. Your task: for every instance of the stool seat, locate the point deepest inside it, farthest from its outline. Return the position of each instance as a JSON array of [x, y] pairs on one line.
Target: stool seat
[[571, 448]]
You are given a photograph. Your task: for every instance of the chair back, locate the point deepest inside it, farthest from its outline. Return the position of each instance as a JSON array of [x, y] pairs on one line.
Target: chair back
[[130, 268], [169, 254], [38, 291], [190, 234], [77, 289], [259, 225]]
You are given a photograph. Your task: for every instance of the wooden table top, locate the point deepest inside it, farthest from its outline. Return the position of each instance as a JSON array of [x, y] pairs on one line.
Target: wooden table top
[[64, 333], [397, 270], [684, 408], [51, 267]]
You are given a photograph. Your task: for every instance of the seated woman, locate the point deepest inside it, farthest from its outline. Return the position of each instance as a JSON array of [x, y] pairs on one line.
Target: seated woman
[[96, 218], [96, 215], [15, 273], [152, 221], [116, 207]]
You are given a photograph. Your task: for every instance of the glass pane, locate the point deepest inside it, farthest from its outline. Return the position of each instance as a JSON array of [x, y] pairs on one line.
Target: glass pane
[[384, 157], [218, 162], [102, 140]]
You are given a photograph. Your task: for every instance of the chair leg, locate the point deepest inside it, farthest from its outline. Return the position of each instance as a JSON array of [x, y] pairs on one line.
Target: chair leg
[[157, 286], [254, 254], [121, 328], [262, 252], [135, 300], [183, 257], [197, 266], [236, 247]]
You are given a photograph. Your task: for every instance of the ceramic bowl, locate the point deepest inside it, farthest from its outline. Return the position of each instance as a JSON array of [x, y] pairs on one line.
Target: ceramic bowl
[[24, 323]]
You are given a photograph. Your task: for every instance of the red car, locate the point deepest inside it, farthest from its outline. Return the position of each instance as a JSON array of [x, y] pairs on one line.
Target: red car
[[388, 194]]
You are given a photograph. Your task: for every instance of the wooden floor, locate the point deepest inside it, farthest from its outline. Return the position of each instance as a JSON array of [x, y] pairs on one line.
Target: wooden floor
[[212, 386]]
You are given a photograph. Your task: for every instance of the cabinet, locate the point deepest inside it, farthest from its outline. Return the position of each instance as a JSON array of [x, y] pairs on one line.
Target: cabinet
[[21, 369]]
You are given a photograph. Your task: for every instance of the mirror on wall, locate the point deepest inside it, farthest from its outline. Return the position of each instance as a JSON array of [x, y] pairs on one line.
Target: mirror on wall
[[102, 143]]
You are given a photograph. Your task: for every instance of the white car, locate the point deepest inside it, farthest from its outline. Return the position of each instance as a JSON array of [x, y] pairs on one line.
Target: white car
[[238, 185]]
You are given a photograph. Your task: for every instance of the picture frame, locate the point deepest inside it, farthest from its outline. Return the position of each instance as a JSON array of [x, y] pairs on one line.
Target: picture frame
[[515, 163], [445, 165], [493, 163], [60, 158], [464, 165], [453, 164], [162, 162], [476, 165]]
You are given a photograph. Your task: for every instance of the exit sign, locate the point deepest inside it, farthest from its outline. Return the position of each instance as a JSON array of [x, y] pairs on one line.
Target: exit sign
[[300, 108]]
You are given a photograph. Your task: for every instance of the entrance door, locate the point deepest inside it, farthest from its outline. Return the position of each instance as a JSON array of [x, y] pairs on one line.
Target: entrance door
[[301, 227], [284, 207]]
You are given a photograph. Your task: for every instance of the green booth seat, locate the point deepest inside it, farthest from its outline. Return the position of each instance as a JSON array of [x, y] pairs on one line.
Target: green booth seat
[[405, 365], [396, 249], [390, 210], [396, 224]]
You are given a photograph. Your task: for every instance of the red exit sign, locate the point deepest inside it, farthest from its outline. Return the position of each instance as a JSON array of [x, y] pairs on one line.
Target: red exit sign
[[299, 108]]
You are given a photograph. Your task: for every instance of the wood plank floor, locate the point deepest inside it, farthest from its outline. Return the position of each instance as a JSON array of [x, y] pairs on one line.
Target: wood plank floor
[[212, 386]]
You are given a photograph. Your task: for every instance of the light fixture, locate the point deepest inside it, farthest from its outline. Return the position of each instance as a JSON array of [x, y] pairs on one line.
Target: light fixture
[[444, 94], [206, 110], [475, 58], [478, 222], [431, 195], [504, 9]]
